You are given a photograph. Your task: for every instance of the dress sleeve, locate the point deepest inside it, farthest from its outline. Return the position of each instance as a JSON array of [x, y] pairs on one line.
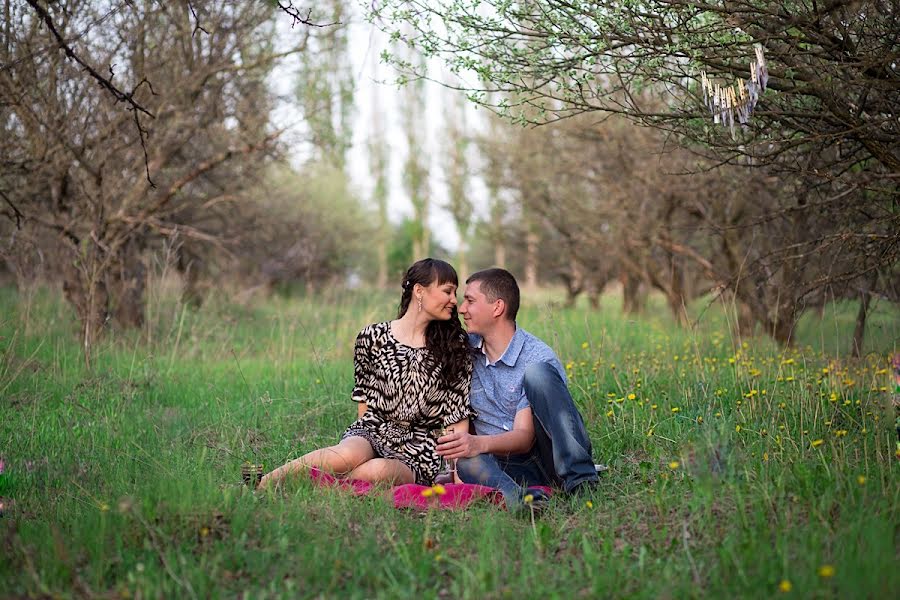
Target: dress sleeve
[[457, 399], [362, 366]]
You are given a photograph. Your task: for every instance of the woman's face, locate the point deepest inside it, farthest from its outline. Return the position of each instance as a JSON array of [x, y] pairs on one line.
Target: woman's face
[[438, 301]]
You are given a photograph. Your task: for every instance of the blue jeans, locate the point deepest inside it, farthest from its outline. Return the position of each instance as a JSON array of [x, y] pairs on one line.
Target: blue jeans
[[561, 455]]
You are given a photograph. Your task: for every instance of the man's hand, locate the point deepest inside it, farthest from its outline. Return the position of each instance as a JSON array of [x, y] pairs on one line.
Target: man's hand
[[459, 445]]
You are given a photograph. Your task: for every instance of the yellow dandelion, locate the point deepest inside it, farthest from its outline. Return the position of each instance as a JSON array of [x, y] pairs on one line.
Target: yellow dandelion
[[699, 419], [610, 413], [439, 489], [737, 428], [785, 586], [631, 396], [816, 443], [589, 504], [204, 531], [861, 479], [427, 493], [654, 406], [765, 457], [104, 507], [528, 499], [674, 465], [584, 345], [675, 409], [826, 571]]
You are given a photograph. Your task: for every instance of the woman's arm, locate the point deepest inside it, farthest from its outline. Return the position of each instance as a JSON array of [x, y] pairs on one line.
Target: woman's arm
[[361, 409]]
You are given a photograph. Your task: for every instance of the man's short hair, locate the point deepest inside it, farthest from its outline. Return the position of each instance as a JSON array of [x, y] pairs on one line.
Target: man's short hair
[[500, 284]]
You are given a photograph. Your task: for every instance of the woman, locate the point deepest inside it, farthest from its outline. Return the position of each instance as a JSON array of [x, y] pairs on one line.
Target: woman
[[412, 380]]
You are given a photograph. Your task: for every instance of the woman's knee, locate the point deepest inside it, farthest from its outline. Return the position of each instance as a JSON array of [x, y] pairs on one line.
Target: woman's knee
[[381, 469], [337, 459]]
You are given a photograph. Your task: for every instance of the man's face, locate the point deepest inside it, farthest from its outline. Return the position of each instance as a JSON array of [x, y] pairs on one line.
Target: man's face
[[478, 314]]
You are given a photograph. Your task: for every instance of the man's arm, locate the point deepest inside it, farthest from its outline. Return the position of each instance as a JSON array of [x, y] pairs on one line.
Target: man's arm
[[462, 444]]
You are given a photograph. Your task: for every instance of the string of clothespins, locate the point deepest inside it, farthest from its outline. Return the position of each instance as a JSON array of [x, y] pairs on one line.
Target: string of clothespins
[[736, 103]]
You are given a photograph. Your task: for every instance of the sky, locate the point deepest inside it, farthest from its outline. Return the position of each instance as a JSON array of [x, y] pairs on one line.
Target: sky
[[376, 90]]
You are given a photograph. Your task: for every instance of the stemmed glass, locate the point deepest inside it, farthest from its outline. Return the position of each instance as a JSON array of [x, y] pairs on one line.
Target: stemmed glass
[[447, 472]]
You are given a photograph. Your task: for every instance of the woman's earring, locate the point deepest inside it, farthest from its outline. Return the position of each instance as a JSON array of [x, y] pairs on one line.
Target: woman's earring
[[420, 304]]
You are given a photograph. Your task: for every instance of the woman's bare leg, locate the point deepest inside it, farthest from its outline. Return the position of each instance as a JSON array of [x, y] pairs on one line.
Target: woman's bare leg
[[342, 458], [383, 470]]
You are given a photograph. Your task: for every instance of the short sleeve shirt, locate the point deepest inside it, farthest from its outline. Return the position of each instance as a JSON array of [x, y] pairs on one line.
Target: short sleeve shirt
[[497, 392]]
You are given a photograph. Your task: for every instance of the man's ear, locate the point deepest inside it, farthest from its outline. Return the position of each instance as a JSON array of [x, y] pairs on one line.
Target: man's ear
[[499, 307]]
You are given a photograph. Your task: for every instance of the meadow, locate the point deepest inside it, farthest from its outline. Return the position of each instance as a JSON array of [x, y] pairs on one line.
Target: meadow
[[737, 468]]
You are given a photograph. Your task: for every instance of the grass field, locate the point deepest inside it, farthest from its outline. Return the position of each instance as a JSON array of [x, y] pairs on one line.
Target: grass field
[[736, 469]]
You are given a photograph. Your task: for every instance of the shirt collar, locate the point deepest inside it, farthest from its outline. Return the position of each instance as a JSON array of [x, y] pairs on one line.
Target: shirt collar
[[514, 349], [512, 352]]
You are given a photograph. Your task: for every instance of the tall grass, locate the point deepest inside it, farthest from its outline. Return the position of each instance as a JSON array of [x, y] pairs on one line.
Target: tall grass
[[736, 468]]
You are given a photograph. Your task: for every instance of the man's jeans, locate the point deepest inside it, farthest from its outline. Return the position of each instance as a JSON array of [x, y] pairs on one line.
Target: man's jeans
[[561, 455]]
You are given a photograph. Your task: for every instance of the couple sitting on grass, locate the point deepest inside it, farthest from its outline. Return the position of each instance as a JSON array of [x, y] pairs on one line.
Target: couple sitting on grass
[[495, 401]]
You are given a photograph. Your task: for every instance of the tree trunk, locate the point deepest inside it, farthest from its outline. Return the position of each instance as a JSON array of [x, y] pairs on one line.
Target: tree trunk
[[783, 327], [462, 260], [633, 297], [499, 253], [86, 291], [675, 295], [127, 283], [859, 331], [574, 281], [531, 260]]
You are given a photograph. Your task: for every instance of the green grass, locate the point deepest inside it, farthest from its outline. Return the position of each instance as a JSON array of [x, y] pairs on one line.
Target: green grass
[[124, 482]]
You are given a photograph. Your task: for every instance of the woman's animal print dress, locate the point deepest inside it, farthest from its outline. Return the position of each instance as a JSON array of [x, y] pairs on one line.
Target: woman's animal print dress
[[407, 402]]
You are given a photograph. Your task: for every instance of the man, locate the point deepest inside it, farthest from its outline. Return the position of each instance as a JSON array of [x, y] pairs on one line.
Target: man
[[528, 431]]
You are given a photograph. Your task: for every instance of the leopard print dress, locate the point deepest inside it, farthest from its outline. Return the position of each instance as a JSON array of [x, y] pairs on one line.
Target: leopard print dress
[[407, 403]]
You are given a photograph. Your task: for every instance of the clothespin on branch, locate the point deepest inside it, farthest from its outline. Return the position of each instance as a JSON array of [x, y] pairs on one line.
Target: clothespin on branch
[[724, 102]]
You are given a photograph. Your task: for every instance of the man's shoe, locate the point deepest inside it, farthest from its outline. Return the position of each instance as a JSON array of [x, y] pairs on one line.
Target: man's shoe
[[535, 500], [585, 489]]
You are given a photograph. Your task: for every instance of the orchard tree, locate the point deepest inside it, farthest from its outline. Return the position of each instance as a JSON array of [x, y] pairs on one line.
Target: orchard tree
[[811, 114]]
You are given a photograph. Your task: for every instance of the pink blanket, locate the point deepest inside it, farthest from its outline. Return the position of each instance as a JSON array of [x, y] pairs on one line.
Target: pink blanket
[[410, 495]]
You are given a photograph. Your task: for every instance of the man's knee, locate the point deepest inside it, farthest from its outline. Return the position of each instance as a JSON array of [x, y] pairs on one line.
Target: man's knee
[[473, 470], [540, 374], [543, 386]]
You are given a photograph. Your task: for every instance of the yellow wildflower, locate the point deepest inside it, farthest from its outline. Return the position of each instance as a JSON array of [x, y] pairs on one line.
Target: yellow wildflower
[[861, 479], [817, 443], [674, 465], [826, 571], [785, 586]]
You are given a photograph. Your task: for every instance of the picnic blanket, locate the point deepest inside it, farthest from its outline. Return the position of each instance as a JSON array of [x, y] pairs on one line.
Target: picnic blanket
[[455, 496]]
